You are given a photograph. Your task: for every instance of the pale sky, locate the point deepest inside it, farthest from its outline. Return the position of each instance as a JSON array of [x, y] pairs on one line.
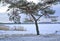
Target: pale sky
[[36, 1], [3, 9]]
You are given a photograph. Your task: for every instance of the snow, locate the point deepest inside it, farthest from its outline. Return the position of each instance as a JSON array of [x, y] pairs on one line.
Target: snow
[[31, 29], [31, 38]]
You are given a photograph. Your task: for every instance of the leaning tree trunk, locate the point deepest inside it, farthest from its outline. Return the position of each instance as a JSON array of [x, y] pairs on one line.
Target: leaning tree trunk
[[37, 29]]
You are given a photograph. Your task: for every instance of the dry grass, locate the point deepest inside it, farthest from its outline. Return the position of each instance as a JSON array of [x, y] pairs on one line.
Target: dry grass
[[19, 28], [4, 28]]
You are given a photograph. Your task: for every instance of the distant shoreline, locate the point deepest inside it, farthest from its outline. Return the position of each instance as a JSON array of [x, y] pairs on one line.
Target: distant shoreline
[[33, 23]]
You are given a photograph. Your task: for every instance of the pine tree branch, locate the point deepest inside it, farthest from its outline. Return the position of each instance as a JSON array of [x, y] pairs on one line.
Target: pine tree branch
[[33, 16], [39, 17]]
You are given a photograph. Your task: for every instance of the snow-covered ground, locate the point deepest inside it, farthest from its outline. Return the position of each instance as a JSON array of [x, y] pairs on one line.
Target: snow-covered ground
[[43, 28], [32, 38], [30, 29], [47, 29]]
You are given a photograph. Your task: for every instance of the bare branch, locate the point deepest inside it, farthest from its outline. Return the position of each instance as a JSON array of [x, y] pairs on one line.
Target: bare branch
[[39, 17], [33, 16]]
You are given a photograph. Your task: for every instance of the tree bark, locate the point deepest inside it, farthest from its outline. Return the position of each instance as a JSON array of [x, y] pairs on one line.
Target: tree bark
[[37, 29], [36, 24]]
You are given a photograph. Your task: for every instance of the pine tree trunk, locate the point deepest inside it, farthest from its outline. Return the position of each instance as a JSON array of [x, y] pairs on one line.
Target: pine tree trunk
[[36, 24], [37, 29]]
